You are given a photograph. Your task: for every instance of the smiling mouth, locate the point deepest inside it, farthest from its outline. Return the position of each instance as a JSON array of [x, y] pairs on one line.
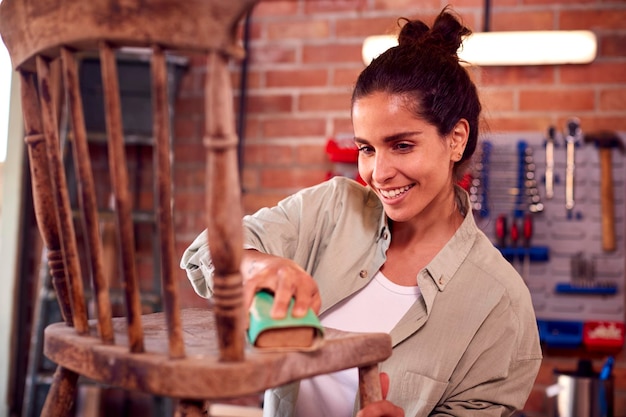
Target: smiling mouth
[[396, 192]]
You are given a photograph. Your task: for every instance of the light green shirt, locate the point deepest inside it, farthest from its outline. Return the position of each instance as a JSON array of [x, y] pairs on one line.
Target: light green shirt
[[469, 346]]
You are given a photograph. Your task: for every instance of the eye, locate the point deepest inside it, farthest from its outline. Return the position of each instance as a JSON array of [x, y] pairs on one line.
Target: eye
[[404, 146], [365, 149]]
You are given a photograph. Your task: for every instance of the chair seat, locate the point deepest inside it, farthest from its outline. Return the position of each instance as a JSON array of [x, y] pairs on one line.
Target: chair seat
[[200, 375]]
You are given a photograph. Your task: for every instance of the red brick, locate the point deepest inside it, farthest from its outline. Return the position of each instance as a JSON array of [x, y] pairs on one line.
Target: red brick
[[185, 127], [564, 3], [276, 8], [603, 122], [596, 73], [298, 29], [557, 100], [293, 127], [517, 75], [250, 178], [292, 177], [190, 153], [189, 177], [497, 100], [325, 102], [612, 45], [297, 78], [325, 6], [613, 99], [332, 53], [268, 104], [405, 4], [252, 128], [273, 53], [522, 20], [519, 123], [269, 154], [311, 154], [367, 26], [255, 201], [607, 18], [342, 126], [461, 4], [347, 76]]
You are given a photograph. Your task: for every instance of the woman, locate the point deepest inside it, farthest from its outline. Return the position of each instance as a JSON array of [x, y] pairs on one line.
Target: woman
[[401, 255]]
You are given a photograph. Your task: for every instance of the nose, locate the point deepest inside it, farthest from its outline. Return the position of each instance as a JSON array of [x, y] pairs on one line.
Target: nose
[[383, 168]]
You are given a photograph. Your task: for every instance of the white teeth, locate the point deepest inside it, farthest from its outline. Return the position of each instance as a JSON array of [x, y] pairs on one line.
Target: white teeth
[[394, 193]]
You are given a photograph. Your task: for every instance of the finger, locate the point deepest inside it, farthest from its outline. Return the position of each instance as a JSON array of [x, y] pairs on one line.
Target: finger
[[382, 408], [307, 297], [384, 383], [282, 297]]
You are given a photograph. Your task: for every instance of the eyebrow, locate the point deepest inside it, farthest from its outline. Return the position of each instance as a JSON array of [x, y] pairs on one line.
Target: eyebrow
[[392, 138]]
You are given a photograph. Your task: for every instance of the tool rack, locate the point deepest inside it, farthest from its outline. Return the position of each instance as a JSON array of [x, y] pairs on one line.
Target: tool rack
[[577, 289]]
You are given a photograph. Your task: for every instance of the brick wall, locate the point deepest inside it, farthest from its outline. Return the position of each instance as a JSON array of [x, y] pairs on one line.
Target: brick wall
[[304, 58]]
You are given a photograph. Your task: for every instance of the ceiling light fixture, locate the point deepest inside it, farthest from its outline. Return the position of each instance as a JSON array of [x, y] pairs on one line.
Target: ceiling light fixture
[[510, 48]]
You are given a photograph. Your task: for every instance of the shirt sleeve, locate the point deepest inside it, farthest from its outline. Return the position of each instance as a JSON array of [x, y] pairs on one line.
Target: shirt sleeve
[[289, 229]]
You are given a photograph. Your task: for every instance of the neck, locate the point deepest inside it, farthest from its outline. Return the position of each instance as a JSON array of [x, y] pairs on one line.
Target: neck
[[436, 225]]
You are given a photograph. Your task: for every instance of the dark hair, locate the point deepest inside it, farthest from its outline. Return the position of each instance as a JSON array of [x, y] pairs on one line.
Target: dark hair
[[425, 68]]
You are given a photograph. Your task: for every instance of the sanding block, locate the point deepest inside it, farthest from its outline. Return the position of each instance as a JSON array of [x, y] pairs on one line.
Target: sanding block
[[289, 332]]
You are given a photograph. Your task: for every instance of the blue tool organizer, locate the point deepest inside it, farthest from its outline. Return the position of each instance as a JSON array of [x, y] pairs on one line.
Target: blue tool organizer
[[565, 244]]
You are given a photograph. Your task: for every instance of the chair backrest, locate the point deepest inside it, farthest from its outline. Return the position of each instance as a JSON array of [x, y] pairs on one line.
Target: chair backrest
[[39, 39]]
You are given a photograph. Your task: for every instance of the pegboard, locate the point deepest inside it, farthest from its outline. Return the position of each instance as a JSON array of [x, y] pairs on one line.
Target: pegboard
[[570, 277]]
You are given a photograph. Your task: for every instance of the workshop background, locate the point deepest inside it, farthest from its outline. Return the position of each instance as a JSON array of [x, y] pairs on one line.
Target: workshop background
[[293, 100]]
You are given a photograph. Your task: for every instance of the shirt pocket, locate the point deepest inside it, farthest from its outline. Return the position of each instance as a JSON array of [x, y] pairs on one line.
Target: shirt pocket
[[420, 394]]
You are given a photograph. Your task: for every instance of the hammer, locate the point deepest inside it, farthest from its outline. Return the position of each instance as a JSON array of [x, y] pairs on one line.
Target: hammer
[[605, 141]]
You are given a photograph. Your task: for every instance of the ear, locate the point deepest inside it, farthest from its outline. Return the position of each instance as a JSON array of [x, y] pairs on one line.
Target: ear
[[458, 139]]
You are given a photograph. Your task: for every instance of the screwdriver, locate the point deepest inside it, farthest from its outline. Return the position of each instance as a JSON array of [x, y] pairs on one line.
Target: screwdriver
[[514, 240], [501, 230], [528, 233]]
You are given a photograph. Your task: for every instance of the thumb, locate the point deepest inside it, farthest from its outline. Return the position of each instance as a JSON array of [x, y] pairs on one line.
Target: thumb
[[384, 383]]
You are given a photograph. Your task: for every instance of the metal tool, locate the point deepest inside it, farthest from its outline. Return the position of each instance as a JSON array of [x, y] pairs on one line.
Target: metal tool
[[530, 182], [501, 230], [514, 239], [605, 142], [571, 139], [527, 231], [550, 162]]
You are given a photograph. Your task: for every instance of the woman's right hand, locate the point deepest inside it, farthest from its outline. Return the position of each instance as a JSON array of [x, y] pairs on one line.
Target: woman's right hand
[[284, 278]]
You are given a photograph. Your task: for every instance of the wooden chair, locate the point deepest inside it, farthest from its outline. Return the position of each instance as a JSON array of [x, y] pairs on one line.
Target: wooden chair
[[193, 355]]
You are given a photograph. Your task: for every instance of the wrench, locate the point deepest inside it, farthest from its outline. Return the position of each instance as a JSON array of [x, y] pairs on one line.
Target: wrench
[[550, 162], [572, 137]]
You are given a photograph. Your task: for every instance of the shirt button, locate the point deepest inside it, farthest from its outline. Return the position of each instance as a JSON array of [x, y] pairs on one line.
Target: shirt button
[[363, 273], [440, 280], [385, 235]]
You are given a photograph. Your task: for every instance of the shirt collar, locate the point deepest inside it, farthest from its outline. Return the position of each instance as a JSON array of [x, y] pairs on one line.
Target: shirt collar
[[445, 265]]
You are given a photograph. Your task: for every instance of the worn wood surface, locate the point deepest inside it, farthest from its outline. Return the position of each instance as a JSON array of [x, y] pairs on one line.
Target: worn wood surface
[[34, 27], [43, 199], [87, 197], [62, 395], [61, 200], [165, 217], [201, 374]]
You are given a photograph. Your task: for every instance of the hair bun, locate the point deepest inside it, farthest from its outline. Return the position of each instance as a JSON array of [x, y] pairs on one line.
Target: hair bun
[[446, 34]]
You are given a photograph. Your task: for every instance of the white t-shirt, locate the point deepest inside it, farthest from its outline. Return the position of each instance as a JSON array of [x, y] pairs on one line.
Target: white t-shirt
[[377, 308]]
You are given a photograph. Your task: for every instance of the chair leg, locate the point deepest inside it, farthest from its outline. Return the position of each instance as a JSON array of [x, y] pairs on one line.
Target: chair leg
[[62, 394], [192, 408], [369, 385]]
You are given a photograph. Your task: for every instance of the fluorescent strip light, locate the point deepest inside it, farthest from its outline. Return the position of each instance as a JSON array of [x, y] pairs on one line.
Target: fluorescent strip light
[[510, 48]]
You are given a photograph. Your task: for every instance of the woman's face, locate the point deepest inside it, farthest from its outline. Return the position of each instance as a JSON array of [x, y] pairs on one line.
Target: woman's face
[[403, 158]]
